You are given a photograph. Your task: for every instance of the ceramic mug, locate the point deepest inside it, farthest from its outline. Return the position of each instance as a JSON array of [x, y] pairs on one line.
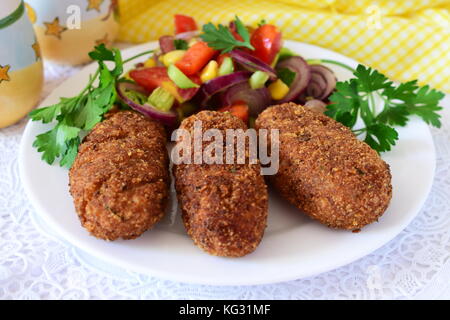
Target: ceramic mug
[[68, 30], [21, 70]]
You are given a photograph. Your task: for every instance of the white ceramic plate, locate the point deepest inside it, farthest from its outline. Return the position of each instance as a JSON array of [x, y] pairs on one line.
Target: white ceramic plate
[[293, 246]]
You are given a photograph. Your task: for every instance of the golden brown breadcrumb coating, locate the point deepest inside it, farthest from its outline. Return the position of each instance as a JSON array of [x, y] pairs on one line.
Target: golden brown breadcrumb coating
[[224, 206], [325, 170], [120, 178]]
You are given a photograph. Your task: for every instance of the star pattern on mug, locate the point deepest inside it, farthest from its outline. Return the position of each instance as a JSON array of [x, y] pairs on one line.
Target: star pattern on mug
[[37, 50], [4, 73], [113, 9], [94, 4], [104, 40], [54, 28]]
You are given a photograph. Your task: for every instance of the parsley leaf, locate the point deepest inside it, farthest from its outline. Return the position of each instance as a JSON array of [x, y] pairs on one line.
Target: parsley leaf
[[221, 38], [370, 80], [71, 152], [180, 44], [424, 103], [46, 114], [395, 115], [52, 143], [82, 112], [243, 32], [356, 98], [286, 75], [380, 137], [345, 108], [101, 53]]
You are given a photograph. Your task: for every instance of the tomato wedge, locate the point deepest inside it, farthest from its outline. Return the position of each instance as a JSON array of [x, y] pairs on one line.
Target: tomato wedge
[[267, 42], [238, 110], [195, 58], [184, 24], [150, 78]]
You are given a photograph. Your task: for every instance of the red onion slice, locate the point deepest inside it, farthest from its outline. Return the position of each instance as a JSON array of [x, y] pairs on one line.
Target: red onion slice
[[166, 44], [316, 105], [323, 82], [252, 63], [316, 86], [132, 87], [256, 99], [187, 94], [188, 35], [303, 75], [168, 118], [211, 87]]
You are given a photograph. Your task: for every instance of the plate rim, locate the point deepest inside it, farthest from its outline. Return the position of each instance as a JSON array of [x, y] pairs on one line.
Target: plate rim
[[178, 276]]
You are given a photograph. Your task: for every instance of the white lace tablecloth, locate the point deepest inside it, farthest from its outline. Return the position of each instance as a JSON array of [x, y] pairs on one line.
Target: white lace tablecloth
[[37, 264]]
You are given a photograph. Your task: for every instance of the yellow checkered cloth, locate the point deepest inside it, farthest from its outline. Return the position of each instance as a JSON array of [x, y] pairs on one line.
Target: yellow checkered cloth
[[403, 39]]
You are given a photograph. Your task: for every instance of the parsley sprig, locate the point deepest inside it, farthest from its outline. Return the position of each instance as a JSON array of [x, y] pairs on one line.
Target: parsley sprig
[[221, 38], [82, 112], [180, 44], [357, 97]]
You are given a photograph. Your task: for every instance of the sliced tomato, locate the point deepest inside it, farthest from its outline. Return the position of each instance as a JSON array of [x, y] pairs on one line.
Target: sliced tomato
[[150, 78], [184, 24], [267, 42], [195, 58], [238, 110]]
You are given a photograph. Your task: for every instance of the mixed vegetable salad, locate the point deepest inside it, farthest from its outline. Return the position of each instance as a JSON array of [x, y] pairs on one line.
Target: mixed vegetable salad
[[238, 69]]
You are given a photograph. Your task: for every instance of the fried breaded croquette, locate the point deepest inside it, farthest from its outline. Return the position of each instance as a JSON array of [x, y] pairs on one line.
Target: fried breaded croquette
[[224, 206], [325, 170], [120, 178]]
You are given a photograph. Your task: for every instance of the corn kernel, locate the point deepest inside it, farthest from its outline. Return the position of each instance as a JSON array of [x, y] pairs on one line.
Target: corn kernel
[[210, 71], [127, 76], [172, 57], [150, 63], [192, 42], [278, 89], [170, 86]]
